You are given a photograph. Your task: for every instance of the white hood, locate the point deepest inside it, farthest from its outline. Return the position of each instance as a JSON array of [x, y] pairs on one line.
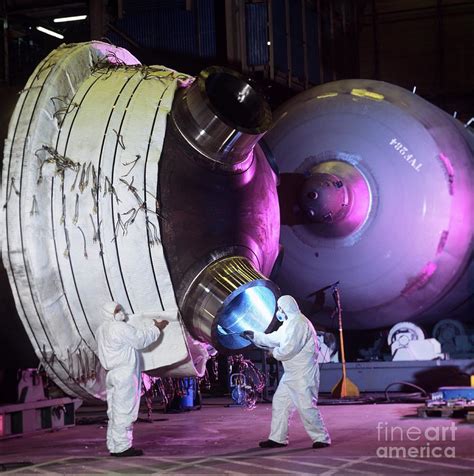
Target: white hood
[[289, 306], [108, 311]]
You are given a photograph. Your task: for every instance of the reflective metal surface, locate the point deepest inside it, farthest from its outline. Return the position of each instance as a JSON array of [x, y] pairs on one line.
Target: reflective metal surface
[[403, 249], [209, 214], [220, 223], [331, 198], [225, 299], [222, 117]]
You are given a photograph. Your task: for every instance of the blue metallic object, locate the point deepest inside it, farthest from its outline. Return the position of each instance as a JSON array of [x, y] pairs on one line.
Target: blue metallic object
[[455, 393], [238, 384], [251, 309]]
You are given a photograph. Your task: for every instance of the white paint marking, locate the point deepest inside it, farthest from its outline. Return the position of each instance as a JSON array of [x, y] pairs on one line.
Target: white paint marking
[[316, 465], [433, 462], [288, 460], [199, 463], [271, 468], [384, 465], [38, 466], [346, 466]]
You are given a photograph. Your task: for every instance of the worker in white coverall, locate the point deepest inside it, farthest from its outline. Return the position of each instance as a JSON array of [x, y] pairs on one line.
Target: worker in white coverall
[[118, 346], [295, 344]]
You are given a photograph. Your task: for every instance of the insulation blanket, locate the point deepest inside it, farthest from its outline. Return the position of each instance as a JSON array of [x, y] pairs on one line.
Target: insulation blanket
[[82, 215]]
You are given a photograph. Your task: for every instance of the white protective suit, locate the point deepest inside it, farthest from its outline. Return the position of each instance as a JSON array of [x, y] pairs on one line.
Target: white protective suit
[[295, 344], [118, 345]]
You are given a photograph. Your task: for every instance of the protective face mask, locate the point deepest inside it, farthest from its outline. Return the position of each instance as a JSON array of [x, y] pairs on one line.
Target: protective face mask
[[281, 316], [120, 316]]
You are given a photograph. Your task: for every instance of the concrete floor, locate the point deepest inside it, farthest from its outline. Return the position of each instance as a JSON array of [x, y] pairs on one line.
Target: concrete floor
[[221, 440]]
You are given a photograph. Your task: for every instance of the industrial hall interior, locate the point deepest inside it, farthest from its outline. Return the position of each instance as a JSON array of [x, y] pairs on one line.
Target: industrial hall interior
[[236, 237]]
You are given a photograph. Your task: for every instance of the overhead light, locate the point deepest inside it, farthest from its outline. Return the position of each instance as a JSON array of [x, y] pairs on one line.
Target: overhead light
[[50, 32], [64, 19]]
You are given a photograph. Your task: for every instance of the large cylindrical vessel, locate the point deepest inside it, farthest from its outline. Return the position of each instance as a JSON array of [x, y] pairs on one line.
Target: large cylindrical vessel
[[376, 192], [117, 189]]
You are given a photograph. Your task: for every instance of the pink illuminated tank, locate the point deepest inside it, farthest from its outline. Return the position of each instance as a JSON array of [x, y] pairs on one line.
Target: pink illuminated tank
[[376, 192]]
